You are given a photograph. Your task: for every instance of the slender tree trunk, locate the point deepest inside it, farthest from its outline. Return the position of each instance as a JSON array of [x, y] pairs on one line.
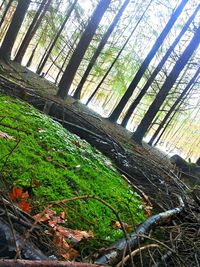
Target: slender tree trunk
[[3, 2], [81, 48], [157, 69], [169, 82], [100, 47], [28, 64], [41, 66], [32, 29], [117, 111], [176, 103], [5, 12], [11, 35], [117, 57]]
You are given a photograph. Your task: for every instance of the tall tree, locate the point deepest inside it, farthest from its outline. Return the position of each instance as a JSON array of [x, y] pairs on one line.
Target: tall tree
[[168, 84], [100, 47], [122, 103], [81, 48], [32, 29], [173, 107], [15, 25], [119, 54], [5, 12], [157, 69], [46, 56]]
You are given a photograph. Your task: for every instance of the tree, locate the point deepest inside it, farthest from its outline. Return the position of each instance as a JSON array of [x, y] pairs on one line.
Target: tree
[[46, 56], [119, 54], [168, 84], [79, 52], [157, 69], [32, 29], [118, 109], [15, 25], [5, 12], [173, 107], [100, 47]]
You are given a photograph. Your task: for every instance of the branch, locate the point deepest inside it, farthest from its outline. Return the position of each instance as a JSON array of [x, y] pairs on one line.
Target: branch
[[115, 252]]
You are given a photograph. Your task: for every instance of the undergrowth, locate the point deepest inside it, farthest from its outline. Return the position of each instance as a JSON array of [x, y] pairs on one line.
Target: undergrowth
[[54, 164]]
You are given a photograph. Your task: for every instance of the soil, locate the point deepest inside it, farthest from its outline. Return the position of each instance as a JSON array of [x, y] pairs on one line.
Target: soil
[[148, 169]]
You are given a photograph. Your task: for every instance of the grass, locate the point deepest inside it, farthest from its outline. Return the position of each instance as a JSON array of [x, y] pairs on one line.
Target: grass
[[55, 164]]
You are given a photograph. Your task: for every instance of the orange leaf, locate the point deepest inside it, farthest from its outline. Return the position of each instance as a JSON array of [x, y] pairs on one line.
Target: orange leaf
[[16, 193], [25, 206], [24, 195]]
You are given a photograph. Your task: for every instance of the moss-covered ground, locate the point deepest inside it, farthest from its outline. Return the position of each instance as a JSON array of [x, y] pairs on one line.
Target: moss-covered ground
[[55, 164]]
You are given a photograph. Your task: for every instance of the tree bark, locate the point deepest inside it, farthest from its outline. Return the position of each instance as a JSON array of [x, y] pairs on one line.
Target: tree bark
[[169, 82], [157, 69], [32, 30], [187, 88], [100, 47], [81, 48], [5, 12], [119, 108], [44, 60], [11, 35]]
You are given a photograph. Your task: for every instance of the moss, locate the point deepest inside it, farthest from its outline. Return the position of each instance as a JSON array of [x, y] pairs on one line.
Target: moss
[[56, 164]]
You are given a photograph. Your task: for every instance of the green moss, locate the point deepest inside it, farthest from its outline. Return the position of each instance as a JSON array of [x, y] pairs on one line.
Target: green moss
[[64, 166]]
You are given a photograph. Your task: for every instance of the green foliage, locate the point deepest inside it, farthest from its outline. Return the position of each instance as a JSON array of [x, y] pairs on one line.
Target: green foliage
[[63, 166]]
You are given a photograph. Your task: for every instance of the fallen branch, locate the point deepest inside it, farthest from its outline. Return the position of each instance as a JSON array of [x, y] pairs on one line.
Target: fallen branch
[[28, 263], [115, 252], [133, 253]]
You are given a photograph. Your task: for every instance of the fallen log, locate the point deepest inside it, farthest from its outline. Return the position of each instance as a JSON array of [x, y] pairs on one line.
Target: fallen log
[[113, 254], [28, 263]]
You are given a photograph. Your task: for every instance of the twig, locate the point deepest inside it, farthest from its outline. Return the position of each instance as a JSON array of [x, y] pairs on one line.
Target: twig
[[133, 253]]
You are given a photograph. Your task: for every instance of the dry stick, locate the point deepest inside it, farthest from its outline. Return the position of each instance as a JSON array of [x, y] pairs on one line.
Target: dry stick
[[133, 253], [46, 263], [113, 253]]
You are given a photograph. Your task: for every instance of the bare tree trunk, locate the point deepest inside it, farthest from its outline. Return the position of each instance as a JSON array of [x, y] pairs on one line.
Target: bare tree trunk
[[11, 35], [32, 29], [117, 57], [157, 69], [100, 47], [81, 48], [117, 111], [5, 12], [178, 100], [169, 82], [46, 56]]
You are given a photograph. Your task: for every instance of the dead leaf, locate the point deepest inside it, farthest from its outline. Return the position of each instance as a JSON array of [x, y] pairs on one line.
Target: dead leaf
[[76, 143], [6, 136]]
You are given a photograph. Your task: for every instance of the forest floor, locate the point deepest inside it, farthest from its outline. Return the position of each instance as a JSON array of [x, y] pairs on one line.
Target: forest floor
[[147, 169]]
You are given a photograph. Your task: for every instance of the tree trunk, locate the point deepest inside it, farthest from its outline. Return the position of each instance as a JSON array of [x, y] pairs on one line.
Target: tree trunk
[[32, 30], [100, 47], [157, 69], [44, 60], [117, 57], [11, 35], [5, 12], [81, 48], [187, 88], [169, 82], [117, 111]]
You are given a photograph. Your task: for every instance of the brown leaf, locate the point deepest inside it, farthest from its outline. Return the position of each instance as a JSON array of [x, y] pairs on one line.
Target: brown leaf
[[6, 136], [39, 130]]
